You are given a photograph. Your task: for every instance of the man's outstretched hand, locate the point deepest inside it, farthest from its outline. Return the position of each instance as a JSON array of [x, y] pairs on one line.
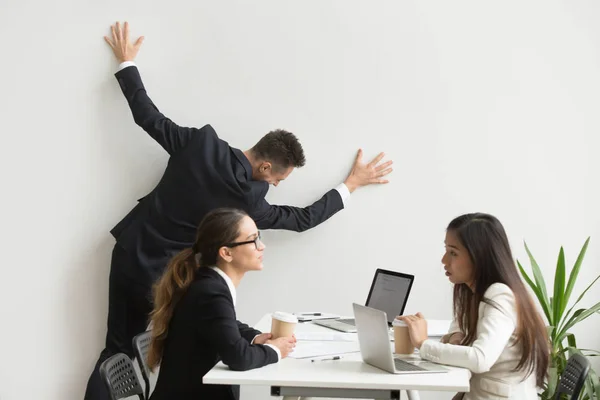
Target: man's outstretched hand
[[123, 49], [367, 174]]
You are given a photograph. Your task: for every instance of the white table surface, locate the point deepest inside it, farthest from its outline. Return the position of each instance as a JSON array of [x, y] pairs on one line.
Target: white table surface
[[347, 373]]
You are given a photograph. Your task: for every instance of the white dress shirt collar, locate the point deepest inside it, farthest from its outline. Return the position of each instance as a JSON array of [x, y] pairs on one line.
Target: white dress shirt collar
[[228, 280]]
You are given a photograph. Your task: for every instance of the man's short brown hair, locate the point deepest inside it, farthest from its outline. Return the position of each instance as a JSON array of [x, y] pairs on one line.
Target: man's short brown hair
[[280, 148]]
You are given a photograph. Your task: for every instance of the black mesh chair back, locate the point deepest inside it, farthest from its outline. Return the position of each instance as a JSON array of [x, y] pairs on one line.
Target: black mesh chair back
[[120, 378], [141, 343], [573, 377]]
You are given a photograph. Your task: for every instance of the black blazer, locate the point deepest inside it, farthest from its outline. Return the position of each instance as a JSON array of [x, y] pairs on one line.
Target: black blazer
[[203, 331], [203, 173]]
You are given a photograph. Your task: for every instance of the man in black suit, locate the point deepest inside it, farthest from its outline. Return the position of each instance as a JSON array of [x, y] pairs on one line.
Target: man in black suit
[[203, 173]]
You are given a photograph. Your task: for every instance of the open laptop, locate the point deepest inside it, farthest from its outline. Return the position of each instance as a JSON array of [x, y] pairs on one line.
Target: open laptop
[[375, 347], [389, 293]]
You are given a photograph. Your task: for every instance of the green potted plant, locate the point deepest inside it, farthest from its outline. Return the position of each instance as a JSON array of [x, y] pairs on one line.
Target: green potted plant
[[562, 341]]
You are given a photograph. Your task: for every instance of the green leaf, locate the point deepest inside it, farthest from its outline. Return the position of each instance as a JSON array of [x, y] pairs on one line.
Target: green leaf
[[563, 351], [589, 386], [536, 291], [541, 284], [552, 381], [570, 348], [575, 272], [577, 318], [589, 389], [571, 340], [584, 396], [579, 299], [588, 288], [527, 278], [559, 287], [569, 321], [593, 377]]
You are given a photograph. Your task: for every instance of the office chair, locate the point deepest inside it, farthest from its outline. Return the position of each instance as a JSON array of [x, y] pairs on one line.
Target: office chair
[[573, 377], [141, 343], [120, 378]]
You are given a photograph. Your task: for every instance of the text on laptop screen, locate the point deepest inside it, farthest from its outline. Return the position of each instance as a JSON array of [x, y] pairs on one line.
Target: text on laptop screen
[[389, 294]]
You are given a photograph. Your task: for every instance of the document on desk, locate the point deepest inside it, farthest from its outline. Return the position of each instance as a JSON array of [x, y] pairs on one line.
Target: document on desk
[[327, 336], [305, 349]]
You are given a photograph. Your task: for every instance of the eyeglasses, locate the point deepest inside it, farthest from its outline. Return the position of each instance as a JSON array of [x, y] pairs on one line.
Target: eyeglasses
[[255, 241]]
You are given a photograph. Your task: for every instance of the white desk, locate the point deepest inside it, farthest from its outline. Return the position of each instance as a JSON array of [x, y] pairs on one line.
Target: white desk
[[345, 378]]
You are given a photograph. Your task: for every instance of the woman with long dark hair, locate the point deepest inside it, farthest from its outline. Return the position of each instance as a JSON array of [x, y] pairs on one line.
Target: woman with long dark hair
[[497, 333], [194, 324]]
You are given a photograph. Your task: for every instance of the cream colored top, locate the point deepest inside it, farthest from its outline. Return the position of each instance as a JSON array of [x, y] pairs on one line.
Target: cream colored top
[[493, 355]]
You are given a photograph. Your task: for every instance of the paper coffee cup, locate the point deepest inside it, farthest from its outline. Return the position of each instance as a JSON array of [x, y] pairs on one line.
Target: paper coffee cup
[[402, 343], [282, 324]]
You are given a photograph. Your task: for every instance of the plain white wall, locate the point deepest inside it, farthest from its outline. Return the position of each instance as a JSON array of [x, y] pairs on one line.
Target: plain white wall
[[482, 106]]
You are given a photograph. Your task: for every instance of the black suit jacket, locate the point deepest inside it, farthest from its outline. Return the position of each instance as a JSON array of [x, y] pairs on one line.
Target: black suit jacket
[[203, 331], [203, 173]]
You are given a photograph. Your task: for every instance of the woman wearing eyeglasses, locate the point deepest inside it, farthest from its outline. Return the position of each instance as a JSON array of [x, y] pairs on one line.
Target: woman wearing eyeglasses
[[194, 323]]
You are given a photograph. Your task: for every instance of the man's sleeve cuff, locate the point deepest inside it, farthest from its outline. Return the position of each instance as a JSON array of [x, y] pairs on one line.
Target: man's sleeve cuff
[[126, 64], [344, 193], [276, 351]]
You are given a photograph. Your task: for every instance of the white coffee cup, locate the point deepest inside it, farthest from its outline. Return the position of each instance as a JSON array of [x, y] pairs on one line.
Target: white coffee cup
[[282, 324]]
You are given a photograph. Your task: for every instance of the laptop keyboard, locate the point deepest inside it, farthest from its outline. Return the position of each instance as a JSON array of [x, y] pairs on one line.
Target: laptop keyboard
[[402, 365]]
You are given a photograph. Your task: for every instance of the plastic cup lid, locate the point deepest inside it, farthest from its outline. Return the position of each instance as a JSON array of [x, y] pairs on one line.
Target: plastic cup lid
[[284, 317], [398, 322]]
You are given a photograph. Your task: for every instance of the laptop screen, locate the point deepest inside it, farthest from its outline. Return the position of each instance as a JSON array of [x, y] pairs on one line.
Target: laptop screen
[[389, 292]]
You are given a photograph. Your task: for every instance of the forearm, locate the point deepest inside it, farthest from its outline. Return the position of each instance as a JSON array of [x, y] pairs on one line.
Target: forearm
[[244, 356], [459, 356], [296, 218], [494, 330], [145, 113], [247, 332]]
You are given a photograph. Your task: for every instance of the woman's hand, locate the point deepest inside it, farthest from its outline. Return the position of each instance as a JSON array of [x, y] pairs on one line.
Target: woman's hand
[[284, 344], [417, 328], [262, 338]]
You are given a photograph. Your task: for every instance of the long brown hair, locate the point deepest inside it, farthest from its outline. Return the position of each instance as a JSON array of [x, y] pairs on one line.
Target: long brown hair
[[218, 227], [483, 236]]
